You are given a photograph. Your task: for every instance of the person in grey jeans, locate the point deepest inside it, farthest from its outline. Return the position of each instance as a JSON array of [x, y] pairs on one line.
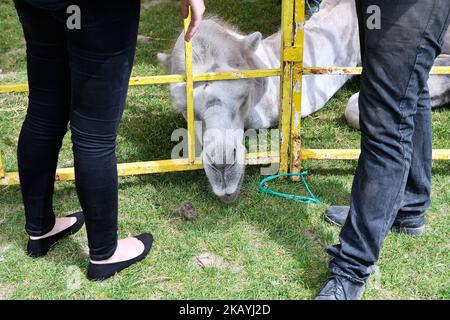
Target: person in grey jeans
[[391, 187]]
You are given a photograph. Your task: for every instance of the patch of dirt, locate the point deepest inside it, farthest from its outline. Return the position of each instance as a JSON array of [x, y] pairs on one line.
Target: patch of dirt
[[7, 75], [210, 260], [6, 291], [4, 247], [169, 288], [144, 39]]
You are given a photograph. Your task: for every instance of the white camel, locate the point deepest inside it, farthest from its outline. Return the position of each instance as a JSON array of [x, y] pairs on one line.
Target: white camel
[[331, 39], [226, 108], [439, 86]]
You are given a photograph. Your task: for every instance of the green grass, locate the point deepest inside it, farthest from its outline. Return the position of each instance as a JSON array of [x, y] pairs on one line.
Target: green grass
[[274, 248]]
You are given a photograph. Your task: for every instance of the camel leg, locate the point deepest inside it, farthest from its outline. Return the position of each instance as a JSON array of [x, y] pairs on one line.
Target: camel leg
[[440, 85], [439, 92]]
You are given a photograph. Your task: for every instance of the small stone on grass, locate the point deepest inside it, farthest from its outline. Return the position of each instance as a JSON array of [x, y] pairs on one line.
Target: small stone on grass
[[187, 210]]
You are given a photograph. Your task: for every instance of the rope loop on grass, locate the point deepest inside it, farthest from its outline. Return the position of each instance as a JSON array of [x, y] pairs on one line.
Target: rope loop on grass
[[311, 8], [304, 199]]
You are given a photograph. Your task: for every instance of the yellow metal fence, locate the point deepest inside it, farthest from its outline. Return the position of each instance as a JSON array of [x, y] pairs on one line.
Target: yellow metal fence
[[291, 73]]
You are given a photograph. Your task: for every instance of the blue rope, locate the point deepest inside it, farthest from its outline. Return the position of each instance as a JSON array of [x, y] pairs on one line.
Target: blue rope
[[313, 10], [307, 200]]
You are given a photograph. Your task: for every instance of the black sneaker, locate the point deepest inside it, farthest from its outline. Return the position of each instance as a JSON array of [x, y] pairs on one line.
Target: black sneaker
[[338, 214], [339, 288]]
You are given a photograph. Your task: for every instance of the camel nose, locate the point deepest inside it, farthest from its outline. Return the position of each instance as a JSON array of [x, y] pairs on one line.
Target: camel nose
[[229, 197]]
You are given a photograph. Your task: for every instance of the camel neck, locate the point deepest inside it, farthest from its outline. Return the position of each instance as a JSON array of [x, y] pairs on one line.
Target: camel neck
[[334, 33]]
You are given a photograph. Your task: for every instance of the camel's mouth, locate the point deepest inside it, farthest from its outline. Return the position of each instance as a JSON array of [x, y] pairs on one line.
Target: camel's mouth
[[229, 198]]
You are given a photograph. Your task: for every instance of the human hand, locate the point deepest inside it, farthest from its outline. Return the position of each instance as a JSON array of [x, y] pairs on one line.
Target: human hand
[[197, 10]]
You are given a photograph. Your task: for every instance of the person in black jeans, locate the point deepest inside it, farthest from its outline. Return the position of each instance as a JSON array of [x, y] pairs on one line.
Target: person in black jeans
[[79, 75], [391, 188]]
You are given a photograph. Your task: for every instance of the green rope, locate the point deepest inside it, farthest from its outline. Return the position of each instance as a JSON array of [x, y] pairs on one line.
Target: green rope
[[295, 197]]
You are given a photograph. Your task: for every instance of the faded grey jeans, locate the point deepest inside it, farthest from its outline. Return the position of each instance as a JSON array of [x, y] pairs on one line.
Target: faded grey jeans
[[393, 176]]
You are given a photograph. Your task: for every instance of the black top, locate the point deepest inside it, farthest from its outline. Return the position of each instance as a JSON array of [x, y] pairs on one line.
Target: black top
[[49, 4]]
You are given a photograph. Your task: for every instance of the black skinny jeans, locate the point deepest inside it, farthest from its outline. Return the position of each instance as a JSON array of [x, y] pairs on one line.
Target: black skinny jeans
[[77, 76]]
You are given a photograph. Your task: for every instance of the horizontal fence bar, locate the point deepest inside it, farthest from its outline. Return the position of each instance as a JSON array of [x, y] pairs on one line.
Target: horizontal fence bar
[[148, 167], [331, 70], [174, 78], [229, 75], [353, 154], [260, 158], [358, 70]]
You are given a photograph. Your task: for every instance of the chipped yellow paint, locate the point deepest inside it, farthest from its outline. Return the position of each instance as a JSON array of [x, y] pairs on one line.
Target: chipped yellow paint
[[330, 154], [358, 70], [231, 75], [297, 77], [189, 92], [287, 19], [164, 79], [331, 70]]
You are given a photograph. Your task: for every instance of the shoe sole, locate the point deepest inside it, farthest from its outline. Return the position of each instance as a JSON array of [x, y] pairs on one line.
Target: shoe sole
[[414, 232], [332, 221]]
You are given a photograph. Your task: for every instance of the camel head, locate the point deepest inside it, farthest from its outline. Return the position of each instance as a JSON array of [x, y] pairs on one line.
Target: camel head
[[221, 106]]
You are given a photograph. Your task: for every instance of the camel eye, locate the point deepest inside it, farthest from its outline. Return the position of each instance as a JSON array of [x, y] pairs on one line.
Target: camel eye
[[236, 64]]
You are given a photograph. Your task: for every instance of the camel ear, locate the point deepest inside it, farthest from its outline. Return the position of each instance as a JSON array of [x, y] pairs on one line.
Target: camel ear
[[164, 59], [253, 41]]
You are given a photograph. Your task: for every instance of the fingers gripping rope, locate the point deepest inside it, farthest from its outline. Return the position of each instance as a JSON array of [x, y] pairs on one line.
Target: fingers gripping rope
[[317, 7]]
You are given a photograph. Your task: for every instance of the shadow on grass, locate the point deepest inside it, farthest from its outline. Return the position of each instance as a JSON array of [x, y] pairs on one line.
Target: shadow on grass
[[12, 230], [294, 226], [144, 136]]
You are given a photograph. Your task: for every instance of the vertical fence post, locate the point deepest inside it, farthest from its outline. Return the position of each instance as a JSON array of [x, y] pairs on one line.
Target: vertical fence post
[[297, 77], [189, 92], [287, 18]]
